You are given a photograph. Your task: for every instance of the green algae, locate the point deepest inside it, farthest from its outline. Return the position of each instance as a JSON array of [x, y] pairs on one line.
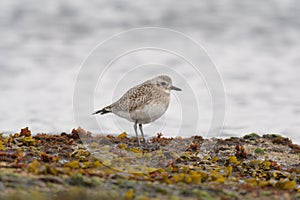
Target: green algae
[[259, 151], [252, 136]]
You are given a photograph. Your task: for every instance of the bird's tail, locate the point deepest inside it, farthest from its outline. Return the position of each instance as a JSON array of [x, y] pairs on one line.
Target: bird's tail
[[103, 111]]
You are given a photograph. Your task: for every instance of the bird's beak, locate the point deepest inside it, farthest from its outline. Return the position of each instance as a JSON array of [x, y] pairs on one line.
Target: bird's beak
[[175, 88]]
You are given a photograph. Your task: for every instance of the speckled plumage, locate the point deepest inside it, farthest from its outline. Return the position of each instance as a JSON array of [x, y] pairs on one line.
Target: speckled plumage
[[143, 103]]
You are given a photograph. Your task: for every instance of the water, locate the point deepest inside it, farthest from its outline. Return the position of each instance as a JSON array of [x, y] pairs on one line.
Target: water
[[255, 46]]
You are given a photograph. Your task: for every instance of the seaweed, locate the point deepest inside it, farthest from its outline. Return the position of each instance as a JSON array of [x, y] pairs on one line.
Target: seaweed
[[164, 167], [252, 136]]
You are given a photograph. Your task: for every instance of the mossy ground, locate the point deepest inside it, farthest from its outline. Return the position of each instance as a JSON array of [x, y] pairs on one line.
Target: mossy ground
[[81, 166]]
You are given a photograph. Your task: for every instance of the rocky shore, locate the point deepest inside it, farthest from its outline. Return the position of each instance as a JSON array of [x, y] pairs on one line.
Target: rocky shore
[[80, 165]]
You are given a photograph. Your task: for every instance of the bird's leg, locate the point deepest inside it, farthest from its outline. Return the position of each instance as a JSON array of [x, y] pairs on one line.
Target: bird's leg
[[141, 129], [136, 133]]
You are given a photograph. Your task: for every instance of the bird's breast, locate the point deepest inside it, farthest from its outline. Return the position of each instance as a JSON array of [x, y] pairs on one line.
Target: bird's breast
[[148, 113]]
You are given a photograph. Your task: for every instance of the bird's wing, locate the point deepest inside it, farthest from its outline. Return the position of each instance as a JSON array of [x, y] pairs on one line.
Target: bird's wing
[[137, 97]]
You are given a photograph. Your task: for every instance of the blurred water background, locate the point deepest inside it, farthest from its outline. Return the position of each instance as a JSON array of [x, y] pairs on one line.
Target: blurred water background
[[254, 44]]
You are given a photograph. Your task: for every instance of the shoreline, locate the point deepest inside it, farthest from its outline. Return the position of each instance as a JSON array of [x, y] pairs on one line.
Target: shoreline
[[69, 165]]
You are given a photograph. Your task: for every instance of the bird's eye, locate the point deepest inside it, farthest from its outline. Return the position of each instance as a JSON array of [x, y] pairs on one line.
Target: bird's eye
[[163, 83]]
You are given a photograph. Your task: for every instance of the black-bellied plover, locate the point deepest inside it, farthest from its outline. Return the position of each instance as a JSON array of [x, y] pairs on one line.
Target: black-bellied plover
[[143, 103]]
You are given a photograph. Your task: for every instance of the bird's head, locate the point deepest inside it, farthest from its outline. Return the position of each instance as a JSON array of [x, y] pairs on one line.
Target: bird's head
[[165, 82]]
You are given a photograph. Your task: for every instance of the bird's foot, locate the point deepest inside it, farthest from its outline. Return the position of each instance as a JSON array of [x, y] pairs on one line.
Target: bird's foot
[[142, 146]]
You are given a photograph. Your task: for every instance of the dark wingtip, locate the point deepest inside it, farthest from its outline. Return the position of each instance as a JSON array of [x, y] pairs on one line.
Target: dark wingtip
[[102, 111]]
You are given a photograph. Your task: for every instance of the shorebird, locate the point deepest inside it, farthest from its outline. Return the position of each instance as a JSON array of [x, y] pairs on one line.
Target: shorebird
[[143, 103]]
